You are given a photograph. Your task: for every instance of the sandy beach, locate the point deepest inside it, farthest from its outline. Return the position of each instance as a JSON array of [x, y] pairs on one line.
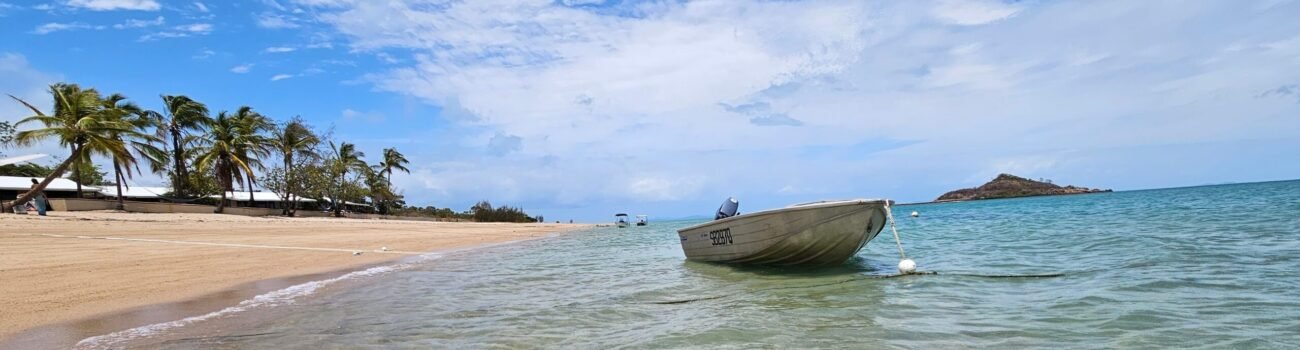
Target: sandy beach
[[78, 265]]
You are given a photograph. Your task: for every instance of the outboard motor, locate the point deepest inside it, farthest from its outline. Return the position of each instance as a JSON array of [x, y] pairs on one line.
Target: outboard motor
[[728, 209]]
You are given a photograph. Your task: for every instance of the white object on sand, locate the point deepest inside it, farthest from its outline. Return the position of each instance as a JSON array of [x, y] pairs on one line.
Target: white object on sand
[[383, 249], [354, 252]]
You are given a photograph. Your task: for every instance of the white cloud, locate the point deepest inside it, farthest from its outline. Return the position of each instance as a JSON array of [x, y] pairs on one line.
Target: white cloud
[[279, 49], [974, 12], [279, 77], [199, 28], [502, 144], [200, 7], [139, 23], [573, 96], [653, 188], [58, 27], [386, 58], [354, 115], [27, 83], [109, 5], [180, 31], [161, 35], [204, 54], [241, 69], [275, 21]]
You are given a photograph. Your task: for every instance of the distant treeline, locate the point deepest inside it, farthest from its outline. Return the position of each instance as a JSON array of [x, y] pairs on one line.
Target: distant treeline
[[481, 212]]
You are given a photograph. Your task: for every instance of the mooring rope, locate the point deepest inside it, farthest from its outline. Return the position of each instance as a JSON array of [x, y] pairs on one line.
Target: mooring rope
[[892, 227]]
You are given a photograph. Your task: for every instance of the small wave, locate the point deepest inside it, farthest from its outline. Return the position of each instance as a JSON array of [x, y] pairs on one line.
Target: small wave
[[279, 297], [275, 298]]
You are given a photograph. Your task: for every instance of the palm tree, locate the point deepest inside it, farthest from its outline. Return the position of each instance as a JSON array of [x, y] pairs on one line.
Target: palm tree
[[222, 149], [251, 126], [346, 157], [293, 140], [380, 191], [76, 123], [393, 160], [183, 115], [137, 121]]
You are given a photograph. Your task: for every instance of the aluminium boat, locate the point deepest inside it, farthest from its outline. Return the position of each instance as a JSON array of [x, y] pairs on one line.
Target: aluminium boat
[[817, 233]]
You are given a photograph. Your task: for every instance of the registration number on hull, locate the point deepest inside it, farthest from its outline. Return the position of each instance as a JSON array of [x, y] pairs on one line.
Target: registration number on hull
[[720, 237]]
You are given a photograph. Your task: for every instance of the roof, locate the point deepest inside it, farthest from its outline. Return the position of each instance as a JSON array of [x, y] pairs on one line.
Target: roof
[[20, 159], [327, 199], [21, 183], [258, 197], [134, 191]]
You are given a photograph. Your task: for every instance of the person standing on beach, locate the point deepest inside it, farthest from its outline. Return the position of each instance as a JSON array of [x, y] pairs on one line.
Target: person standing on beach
[[39, 198]]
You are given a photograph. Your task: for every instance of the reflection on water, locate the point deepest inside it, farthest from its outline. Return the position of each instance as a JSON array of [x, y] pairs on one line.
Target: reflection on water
[[1208, 267]]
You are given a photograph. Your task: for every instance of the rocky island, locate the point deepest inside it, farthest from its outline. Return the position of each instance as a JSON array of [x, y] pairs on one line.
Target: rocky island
[[1011, 186]]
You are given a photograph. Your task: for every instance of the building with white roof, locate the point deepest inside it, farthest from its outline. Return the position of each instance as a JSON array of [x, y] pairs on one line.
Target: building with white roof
[[134, 192], [13, 186], [261, 199]]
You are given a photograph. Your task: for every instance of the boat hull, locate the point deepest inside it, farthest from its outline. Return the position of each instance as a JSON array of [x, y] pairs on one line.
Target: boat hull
[[813, 234]]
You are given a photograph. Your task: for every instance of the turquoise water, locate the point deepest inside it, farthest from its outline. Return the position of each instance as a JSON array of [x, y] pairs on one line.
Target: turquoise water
[[1206, 267]]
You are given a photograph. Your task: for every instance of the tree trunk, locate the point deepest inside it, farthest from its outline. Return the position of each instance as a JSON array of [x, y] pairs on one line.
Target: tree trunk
[[76, 172], [227, 183], [290, 207], [221, 206], [251, 202], [390, 190], [117, 174], [178, 157], [63, 167], [338, 211]]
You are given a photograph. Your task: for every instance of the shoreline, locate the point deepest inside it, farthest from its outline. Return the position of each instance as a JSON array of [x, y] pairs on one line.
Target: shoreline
[[213, 263]]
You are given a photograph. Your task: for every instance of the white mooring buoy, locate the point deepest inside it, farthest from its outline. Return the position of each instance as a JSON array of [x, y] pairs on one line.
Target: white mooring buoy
[[916, 214], [906, 266]]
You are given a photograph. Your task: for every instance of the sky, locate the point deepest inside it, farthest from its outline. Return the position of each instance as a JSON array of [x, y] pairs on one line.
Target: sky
[[579, 109]]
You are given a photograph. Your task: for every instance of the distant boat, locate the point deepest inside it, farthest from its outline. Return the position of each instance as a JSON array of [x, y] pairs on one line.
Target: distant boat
[[818, 233], [620, 219], [641, 220]]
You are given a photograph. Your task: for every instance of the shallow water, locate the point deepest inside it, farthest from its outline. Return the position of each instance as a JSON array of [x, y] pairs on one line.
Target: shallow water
[[1204, 267]]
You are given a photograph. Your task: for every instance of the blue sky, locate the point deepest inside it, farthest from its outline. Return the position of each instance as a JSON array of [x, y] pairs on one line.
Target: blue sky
[[580, 109]]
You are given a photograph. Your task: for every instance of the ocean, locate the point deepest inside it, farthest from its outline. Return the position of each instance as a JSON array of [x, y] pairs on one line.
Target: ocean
[[1213, 267]]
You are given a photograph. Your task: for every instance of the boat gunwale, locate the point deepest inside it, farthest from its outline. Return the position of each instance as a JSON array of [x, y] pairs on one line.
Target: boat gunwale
[[814, 205]]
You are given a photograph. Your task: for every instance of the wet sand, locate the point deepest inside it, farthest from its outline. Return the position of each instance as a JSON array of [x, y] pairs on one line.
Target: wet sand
[[63, 273]]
